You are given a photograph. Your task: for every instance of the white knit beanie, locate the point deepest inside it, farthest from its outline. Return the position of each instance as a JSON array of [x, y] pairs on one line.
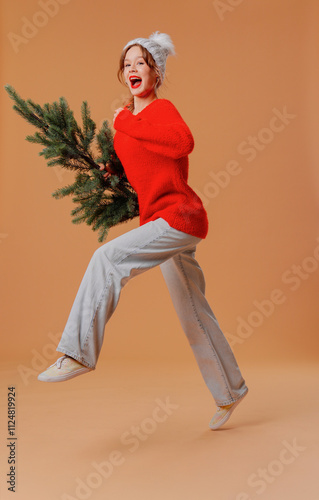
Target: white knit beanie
[[159, 45]]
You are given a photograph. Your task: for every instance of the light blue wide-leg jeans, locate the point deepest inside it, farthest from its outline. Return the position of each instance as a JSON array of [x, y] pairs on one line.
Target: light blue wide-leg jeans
[[114, 263]]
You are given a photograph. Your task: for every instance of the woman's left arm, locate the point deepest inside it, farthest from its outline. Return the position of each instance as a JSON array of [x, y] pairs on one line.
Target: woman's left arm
[[163, 132]]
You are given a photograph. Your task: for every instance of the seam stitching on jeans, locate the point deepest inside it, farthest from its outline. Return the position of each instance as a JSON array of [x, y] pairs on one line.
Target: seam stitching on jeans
[[141, 247], [108, 280], [201, 325]]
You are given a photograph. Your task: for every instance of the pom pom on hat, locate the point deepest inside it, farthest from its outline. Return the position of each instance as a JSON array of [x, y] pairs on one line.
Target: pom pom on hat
[[159, 45], [164, 41]]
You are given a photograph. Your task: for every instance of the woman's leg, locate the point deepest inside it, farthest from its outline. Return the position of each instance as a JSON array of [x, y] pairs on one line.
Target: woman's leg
[[110, 268], [216, 361]]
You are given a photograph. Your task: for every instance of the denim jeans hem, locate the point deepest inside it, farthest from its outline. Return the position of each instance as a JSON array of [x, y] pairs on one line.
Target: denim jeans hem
[[75, 356], [228, 402]]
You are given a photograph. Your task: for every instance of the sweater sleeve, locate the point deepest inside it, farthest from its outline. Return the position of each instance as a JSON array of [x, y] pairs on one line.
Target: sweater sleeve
[[163, 132]]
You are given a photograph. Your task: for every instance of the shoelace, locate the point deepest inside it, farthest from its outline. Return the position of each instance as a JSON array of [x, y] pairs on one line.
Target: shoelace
[[59, 361]]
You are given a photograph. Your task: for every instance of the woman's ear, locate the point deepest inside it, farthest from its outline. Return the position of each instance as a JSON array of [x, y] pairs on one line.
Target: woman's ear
[[158, 81]]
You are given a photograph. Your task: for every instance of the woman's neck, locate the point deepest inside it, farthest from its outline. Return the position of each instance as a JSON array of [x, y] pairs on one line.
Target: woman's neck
[[141, 102]]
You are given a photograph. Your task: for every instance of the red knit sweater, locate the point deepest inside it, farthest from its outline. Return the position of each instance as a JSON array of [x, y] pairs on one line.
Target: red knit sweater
[[153, 147]]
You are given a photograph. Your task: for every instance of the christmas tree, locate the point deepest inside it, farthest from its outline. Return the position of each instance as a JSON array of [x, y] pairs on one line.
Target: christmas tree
[[101, 190]]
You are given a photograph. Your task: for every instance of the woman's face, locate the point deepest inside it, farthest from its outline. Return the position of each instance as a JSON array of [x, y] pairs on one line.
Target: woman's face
[[140, 78]]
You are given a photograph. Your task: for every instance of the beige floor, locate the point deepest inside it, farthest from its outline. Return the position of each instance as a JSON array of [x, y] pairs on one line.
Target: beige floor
[[109, 435]]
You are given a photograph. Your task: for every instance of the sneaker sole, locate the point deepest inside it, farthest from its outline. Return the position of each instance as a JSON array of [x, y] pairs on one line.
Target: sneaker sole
[[228, 414], [44, 378]]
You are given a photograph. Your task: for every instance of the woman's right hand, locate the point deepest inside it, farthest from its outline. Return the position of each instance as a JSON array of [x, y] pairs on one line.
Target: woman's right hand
[[108, 172], [116, 112]]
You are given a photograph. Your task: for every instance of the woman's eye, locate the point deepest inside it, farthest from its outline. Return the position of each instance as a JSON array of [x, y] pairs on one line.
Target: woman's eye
[[140, 62]]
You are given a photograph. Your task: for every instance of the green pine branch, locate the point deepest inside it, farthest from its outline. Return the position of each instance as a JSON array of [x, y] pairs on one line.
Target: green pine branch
[[101, 203]]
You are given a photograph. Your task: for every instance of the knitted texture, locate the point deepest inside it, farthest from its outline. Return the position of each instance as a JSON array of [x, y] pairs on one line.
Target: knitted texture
[[159, 46], [153, 147]]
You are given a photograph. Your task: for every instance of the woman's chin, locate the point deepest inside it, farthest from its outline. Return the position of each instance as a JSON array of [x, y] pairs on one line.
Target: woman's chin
[[142, 94]]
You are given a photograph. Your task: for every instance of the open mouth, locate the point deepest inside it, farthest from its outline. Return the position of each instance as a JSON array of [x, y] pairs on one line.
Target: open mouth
[[135, 82]]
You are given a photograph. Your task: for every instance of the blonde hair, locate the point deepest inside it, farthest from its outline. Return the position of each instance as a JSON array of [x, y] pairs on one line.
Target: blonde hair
[[148, 58]]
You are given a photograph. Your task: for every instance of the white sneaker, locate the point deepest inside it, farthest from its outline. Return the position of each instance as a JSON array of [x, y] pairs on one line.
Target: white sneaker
[[63, 369], [223, 413]]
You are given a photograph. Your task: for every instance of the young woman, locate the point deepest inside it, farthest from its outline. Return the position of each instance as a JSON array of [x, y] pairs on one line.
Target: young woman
[[153, 143]]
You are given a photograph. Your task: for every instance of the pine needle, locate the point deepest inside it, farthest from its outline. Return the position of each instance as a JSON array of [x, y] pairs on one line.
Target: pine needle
[[101, 203]]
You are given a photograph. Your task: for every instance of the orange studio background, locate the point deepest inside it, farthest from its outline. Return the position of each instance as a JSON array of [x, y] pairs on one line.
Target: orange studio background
[[245, 79]]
